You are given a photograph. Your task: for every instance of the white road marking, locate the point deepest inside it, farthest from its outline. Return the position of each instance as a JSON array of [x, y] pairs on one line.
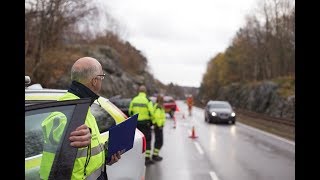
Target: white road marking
[[268, 134], [198, 147], [213, 175]]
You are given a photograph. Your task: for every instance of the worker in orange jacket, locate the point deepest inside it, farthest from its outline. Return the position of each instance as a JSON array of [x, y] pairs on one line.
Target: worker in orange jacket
[[190, 104]]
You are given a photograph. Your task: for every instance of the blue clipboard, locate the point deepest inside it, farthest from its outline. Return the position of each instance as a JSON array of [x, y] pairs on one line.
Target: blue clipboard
[[121, 136]]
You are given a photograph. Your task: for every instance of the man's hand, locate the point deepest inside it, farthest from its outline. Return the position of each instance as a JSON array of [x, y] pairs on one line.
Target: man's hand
[[81, 137], [115, 158]]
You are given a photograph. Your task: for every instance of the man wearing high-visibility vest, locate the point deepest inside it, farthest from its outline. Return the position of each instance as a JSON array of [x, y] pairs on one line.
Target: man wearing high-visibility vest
[[144, 107], [86, 76], [159, 119]]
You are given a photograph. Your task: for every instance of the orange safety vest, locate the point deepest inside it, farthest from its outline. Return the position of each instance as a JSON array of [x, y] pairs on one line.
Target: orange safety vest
[[189, 101]]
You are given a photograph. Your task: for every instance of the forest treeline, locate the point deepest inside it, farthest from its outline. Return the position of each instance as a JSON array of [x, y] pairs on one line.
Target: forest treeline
[[263, 49], [54, 28]]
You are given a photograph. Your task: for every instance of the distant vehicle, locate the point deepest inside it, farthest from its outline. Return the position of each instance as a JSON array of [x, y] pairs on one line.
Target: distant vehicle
[[169, 104], [153, 99], [219, 111], [39, 103]]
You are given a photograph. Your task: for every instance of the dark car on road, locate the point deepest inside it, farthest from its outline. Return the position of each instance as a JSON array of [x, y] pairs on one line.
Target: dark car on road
[[122, 103], [219, 111]]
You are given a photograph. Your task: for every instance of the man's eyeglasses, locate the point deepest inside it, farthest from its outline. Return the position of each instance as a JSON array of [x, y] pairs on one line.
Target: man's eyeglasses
[[102, 76]]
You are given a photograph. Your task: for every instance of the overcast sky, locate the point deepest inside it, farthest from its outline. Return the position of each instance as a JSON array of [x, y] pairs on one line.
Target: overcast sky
[[178, 37]]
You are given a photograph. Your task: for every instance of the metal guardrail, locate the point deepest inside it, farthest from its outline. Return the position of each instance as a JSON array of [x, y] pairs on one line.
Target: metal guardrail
[[289, 122]]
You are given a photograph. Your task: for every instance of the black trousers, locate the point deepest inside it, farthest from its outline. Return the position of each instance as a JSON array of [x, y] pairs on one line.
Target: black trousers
[[158, 132], [145, 128]]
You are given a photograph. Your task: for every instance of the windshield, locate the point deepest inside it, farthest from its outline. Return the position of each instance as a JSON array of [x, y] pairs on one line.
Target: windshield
[[219, 106]]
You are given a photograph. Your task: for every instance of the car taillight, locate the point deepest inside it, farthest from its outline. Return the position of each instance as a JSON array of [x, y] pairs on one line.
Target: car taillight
[[144, 144]]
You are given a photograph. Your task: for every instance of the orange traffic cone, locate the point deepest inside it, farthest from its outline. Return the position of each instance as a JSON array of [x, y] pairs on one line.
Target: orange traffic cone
[[177, 109], [193, 133]]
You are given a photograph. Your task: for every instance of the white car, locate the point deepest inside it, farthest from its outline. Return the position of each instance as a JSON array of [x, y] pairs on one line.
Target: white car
[[40, 102]]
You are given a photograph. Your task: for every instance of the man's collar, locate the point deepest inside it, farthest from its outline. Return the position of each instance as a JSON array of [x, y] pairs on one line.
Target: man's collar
[[82, 91]]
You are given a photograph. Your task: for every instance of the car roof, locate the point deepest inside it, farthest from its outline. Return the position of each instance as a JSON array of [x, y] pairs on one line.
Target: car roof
[[54, 94], [218, 102], [166, 98]]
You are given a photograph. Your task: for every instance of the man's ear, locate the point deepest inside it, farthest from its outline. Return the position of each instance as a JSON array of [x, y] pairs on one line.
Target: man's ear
[[93, 82]]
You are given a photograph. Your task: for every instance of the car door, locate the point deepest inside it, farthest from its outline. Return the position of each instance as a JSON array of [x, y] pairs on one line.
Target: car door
[[74, 113]]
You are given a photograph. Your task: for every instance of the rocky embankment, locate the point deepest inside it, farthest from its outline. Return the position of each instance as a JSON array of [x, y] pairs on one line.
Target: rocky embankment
[[117, 81], [263, 97]]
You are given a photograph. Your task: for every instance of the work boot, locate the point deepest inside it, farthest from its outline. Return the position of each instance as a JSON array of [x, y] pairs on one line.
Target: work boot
[[148, 161], [156, 158]]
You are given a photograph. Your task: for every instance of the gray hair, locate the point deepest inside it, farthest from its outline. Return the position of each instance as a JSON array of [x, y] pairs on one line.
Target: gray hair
[[84, 74]]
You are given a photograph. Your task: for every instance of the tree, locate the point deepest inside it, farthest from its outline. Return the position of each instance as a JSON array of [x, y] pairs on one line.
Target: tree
[[46, 26]]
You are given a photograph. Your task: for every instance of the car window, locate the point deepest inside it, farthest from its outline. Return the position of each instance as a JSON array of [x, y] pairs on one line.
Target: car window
[[169, 101], [103, 118], [46, 126], [218, 105], [34, 137], [122, 104]]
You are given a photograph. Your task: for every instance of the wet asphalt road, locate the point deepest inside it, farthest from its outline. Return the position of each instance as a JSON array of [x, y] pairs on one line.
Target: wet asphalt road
[[220, 152]]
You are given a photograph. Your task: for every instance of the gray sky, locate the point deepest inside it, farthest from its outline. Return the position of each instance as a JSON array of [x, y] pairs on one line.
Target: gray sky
[[178, 37]]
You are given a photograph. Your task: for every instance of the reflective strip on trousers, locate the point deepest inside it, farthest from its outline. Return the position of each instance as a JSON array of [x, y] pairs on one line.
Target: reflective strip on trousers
[[156, 151], [96, 173], [148, 153]]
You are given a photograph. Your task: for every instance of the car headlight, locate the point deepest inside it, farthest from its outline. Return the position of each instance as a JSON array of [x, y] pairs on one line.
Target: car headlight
[[213, 113], [233, 114]]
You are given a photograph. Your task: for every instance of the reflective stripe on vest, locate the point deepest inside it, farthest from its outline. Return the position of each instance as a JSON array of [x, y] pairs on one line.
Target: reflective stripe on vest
[[139, 105], [82, 152]]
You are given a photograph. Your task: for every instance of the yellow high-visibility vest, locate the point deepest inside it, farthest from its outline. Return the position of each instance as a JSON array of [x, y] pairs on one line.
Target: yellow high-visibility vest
[[159, 116], [140, 104], [86, 165]]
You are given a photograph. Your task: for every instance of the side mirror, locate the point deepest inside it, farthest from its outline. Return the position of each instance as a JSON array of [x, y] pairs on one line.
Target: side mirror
[[27, 80]]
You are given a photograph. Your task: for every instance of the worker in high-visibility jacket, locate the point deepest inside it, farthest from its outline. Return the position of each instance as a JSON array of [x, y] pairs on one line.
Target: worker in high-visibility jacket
[[144, 107], [158, 120], [86, 76]]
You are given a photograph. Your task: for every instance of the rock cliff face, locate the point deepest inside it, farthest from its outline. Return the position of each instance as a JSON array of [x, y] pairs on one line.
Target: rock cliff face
[[260, 97], [117, 81]]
